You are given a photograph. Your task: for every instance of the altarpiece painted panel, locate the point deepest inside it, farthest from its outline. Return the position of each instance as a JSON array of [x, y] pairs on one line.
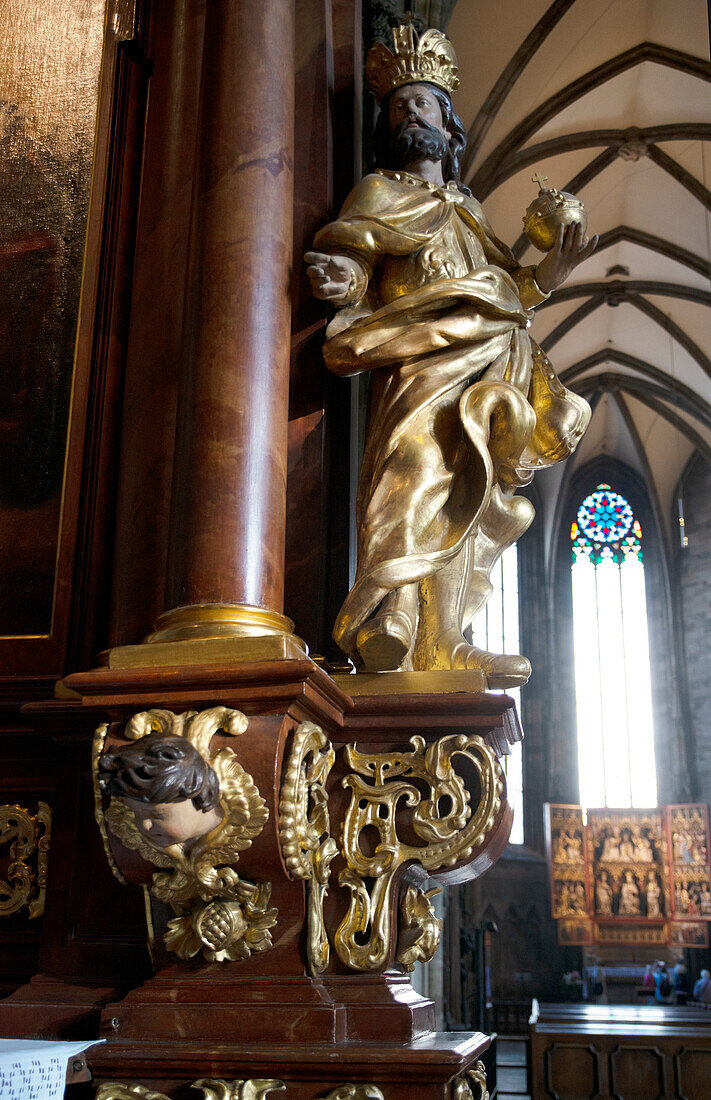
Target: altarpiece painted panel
[[630, 876]]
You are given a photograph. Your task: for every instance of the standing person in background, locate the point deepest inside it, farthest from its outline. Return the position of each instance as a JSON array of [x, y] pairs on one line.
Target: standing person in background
[[664, 990], [681, 983], [702, 988]]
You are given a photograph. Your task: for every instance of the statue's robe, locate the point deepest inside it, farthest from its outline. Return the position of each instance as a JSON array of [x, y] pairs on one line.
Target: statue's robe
[[462, 404]]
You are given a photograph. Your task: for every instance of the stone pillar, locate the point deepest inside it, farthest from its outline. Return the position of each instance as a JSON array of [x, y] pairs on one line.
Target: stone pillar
[[226, 560]]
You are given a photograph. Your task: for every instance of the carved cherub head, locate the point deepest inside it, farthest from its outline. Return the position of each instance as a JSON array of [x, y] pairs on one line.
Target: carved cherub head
[[172, 790]]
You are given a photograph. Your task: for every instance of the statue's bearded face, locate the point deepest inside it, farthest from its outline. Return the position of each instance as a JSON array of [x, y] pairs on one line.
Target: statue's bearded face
[[416, 128]]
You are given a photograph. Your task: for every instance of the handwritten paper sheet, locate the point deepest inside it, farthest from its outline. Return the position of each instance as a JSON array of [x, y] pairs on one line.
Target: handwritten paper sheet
[[36, 1069]]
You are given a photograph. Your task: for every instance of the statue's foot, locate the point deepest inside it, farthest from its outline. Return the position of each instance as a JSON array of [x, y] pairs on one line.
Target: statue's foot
[[384, 641], [502, 670]]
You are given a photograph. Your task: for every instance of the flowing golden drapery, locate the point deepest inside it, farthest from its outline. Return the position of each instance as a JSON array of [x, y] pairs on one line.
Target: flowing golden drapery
[[464, 406]]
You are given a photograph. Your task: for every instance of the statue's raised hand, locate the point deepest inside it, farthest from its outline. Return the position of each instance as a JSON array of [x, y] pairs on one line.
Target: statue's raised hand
[[570, 249], [331, 276]]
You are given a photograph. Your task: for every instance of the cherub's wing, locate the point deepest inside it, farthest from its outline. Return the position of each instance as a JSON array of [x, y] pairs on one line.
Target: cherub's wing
[[204, 725], [121, 821], [246, 814]]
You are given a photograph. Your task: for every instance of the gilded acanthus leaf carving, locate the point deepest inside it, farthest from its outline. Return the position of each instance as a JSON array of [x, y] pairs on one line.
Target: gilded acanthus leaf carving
[[462, 1086], [450, 828], [256, 1088], [420, 928], [26, 836], [304, 830], [216, 912], [120, 1090]]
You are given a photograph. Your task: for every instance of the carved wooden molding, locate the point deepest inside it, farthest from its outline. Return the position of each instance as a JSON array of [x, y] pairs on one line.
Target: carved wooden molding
[[381, 783], [462, 1086], [417, 793], [255, 1088]]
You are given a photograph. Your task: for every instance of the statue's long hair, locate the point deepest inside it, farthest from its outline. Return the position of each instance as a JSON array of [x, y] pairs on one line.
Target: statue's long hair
[[451, 162]]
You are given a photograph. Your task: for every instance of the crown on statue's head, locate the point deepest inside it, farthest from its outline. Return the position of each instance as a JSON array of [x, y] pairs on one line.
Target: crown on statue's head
[[428, 58]]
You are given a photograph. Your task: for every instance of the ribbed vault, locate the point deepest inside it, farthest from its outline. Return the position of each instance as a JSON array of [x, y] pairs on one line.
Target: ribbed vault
[[611, 101]]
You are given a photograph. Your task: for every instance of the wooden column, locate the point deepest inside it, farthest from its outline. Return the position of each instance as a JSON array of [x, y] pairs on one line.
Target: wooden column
[[155, 346], [226, 558]]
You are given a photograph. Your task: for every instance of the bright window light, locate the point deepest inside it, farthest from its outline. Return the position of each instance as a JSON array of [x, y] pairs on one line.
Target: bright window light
[[613, 688], [496, 630]]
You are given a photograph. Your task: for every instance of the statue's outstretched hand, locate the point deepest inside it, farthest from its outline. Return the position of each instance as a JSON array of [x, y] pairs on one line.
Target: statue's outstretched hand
[[331, 276], [570, 249]]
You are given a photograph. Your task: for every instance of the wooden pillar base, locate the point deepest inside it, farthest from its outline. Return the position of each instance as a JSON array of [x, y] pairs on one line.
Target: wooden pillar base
[[291, 1010], [200, 622], [188, 641], [282, 936]]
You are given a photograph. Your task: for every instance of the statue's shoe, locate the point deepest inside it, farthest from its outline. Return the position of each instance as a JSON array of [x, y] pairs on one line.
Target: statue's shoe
[[503, 670], [383, 641], [452, 651]]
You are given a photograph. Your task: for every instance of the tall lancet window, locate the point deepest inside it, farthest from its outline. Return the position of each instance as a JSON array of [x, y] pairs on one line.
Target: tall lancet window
[[496, 629], [612, 678]]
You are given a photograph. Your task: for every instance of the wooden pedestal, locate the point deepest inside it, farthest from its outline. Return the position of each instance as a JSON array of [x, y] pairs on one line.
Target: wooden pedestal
[[423, 1070], [267, 1016]]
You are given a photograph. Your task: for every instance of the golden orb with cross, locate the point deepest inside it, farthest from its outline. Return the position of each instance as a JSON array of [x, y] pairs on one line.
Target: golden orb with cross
[[550, 210]]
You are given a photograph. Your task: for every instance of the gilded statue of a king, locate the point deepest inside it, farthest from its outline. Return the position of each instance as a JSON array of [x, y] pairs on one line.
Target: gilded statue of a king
[[464, 406]]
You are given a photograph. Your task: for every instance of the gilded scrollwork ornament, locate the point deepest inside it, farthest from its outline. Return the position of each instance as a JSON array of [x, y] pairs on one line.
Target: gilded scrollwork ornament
[[304, 830], [26, 837], [420, 928], [442, 818], [462, 1086], [256, 1088], [120, 1090], [189, 811]]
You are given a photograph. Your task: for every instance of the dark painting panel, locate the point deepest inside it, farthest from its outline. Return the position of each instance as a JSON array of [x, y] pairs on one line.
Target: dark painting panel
[[49, 80]]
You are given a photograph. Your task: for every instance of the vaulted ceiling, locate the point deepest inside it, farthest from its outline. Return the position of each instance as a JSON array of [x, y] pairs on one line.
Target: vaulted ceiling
[[610, 99]]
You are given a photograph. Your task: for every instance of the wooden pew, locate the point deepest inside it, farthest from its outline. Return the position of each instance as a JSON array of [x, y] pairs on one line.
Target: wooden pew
[[630, 1052]]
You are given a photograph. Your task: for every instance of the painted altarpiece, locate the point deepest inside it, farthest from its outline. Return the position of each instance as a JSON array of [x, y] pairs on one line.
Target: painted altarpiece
[[630, 876]]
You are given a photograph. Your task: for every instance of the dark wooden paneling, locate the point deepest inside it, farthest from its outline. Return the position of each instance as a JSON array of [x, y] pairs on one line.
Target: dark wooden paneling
[[620, 1052], [692, 1070], [572, 1072], [637, 1073]]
